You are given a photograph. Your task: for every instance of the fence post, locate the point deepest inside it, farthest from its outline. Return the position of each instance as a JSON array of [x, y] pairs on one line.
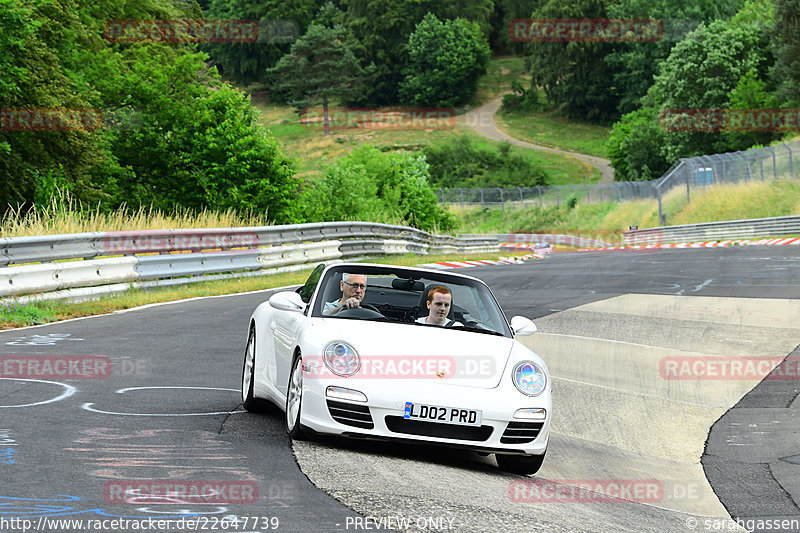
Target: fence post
[[688, 193], [521, 200], [791, 163], [774, 163], [539, 189], [481, 189], [502, 203], [462, 196]]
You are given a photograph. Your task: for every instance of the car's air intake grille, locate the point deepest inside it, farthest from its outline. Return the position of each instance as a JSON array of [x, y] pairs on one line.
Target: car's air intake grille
[[351, 414], [398, 424], [521, 432]]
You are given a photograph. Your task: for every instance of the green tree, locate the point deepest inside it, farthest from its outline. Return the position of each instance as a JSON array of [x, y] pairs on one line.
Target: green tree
[[199, 145], [573, 74], [701, 72], [786, 39], [280, 23], [636, 63], [37, 48], [751, 93], [505, 11], [321, 66], [445, 60], [381, 29], [636, 146]]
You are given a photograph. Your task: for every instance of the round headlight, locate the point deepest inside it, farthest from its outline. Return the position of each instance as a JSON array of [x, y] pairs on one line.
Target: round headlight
[[529, 378], [341, 359]]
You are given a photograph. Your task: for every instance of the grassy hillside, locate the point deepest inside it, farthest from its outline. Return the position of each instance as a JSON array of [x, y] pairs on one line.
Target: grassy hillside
[[312, 150]]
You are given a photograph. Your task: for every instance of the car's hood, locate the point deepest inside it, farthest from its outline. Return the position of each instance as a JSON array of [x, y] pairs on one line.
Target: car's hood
[[407, 351]]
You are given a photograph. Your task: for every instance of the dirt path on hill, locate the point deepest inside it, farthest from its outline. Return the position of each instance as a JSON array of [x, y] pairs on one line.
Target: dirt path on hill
[[481, 119]]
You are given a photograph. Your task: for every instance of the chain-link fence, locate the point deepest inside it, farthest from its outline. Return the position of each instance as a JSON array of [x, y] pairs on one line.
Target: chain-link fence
[[513, 197], [758, 164]]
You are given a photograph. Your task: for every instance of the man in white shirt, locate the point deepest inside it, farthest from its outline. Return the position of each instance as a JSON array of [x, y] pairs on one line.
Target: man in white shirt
[[440, 299]]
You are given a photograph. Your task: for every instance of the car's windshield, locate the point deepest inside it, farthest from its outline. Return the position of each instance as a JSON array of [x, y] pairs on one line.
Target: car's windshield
[[402, 296]]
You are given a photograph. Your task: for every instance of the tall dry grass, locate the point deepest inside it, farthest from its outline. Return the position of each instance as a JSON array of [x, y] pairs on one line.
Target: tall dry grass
[[65, 215]]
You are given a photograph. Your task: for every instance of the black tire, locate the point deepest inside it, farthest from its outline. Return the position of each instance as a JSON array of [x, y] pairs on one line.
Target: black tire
[[294, 401], [523, 465], [250, 402]]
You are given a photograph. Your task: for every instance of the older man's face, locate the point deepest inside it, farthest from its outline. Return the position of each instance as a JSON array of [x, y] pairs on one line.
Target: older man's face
[[354, 287]]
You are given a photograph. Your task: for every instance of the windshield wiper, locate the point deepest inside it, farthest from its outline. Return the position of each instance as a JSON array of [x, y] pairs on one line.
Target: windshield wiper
[[481, 330]]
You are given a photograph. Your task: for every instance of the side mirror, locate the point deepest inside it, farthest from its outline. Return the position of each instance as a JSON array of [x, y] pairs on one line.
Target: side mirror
[[522, 326], [287, 301]]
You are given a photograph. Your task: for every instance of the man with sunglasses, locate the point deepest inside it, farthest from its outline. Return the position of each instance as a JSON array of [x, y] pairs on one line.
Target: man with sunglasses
[[353, 287]]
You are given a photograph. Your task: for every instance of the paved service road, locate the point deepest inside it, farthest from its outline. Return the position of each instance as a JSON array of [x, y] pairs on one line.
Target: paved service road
[[167, 411]]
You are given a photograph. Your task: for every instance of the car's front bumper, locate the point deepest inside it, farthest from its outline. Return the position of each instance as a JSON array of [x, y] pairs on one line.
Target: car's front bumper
[[499, 431]]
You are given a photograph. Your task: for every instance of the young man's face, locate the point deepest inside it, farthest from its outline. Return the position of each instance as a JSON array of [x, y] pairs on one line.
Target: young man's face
[[439, 306], [354, 287]]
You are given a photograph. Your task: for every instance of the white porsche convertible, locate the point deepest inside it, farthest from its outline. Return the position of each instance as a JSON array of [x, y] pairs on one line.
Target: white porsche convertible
[[390, 352]]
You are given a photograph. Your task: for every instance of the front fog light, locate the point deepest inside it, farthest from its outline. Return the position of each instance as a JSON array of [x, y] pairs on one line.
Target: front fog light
[[530, 414], [341, 359], [528, 378], [340, 393]]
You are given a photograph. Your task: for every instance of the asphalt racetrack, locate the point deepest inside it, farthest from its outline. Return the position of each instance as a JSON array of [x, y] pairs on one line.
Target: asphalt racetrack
[[646, 402]]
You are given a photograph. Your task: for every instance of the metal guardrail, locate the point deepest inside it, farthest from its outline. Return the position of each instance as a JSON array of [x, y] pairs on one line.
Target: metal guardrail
[[533, 238], [43, 264], [716, 231]]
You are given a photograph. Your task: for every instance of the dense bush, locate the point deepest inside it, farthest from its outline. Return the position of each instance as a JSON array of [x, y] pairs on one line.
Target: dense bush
[[461, 162], [377, 186]]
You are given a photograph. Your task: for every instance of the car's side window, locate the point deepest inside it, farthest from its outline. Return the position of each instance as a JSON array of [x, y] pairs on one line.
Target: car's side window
[[307, 290]]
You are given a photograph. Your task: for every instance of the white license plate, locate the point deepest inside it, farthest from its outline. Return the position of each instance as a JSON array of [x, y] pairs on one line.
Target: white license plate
[[443, 415]]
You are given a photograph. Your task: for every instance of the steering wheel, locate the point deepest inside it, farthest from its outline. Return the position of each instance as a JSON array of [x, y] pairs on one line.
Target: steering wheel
[[365, 311], [370, 307]]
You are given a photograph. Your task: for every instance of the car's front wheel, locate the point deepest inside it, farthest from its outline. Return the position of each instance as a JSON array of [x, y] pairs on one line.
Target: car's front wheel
[[294, 400], [520, 464], [250, 402]]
